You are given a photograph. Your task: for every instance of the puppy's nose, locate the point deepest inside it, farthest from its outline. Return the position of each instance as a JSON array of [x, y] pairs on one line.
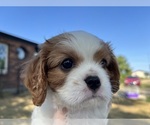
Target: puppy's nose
[[93, 82]]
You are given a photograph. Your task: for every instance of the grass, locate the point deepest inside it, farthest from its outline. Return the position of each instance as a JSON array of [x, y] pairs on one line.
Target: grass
[[21, 107], [130, 109], [12, 106], [145, 86], [148, 99], [145, 83]]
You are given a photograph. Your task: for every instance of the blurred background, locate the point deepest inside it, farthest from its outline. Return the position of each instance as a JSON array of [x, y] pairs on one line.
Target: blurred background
[[24, 29]]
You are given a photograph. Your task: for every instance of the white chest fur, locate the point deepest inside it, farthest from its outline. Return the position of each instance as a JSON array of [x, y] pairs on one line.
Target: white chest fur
[[92, 112]]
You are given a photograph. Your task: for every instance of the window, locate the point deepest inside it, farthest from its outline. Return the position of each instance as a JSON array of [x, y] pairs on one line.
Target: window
[[21, 53], [3, 58]]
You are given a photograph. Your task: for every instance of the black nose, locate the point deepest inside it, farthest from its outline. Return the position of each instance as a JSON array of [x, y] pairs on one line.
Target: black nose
[[93, 82]]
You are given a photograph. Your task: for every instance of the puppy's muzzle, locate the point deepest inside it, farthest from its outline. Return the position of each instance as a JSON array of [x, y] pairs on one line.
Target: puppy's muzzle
[[93, 83]]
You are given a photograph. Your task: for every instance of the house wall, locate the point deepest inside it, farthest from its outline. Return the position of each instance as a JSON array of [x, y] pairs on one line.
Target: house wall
[[140, 74], [11, 79]]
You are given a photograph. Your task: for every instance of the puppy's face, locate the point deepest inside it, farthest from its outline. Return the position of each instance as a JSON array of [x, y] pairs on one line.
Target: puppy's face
[[76, 66]]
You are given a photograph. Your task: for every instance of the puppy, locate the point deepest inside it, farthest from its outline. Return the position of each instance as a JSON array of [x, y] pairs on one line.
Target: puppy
[[75, 70]]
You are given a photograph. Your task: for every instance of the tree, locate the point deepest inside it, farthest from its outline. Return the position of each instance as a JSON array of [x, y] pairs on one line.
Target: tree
[[124, 67]]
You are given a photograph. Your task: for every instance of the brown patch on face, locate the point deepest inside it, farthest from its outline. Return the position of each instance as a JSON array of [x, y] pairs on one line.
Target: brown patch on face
[[103, 53], [112, 67], [45, 69], [56, 75]]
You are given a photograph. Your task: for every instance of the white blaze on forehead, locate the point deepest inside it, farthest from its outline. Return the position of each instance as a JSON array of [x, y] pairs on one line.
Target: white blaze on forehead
[[85, 44]]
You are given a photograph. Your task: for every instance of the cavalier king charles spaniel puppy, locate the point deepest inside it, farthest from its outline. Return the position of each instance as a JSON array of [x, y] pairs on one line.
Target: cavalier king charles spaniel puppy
[[75, 70]]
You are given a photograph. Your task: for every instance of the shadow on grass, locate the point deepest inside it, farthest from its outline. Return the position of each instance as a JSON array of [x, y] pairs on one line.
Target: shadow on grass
[[21, 106], [15, 106]]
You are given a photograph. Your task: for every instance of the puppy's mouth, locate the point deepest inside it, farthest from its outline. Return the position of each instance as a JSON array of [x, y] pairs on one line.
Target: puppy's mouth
[[93, 97]]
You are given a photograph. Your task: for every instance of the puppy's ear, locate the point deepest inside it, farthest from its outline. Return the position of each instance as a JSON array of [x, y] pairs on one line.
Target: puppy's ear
[[34, 77], [114, 75], [113, 70]]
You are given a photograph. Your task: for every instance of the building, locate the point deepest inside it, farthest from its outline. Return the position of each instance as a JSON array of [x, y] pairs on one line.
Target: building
[[141, 74], [14, 51]]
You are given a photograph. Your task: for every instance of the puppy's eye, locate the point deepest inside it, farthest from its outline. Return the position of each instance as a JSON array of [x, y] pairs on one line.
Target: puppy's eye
[[103, 63], [67, 64]]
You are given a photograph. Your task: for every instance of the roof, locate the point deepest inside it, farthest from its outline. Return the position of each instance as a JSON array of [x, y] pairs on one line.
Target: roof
[[17, 38], [140, 71]]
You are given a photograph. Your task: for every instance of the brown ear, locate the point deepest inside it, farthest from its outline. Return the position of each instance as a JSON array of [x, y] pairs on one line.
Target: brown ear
[[34, 78], [114, 75], [113, 71]]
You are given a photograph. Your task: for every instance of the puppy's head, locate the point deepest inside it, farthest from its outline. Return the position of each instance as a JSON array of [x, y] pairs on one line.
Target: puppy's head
[[77, 66]]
